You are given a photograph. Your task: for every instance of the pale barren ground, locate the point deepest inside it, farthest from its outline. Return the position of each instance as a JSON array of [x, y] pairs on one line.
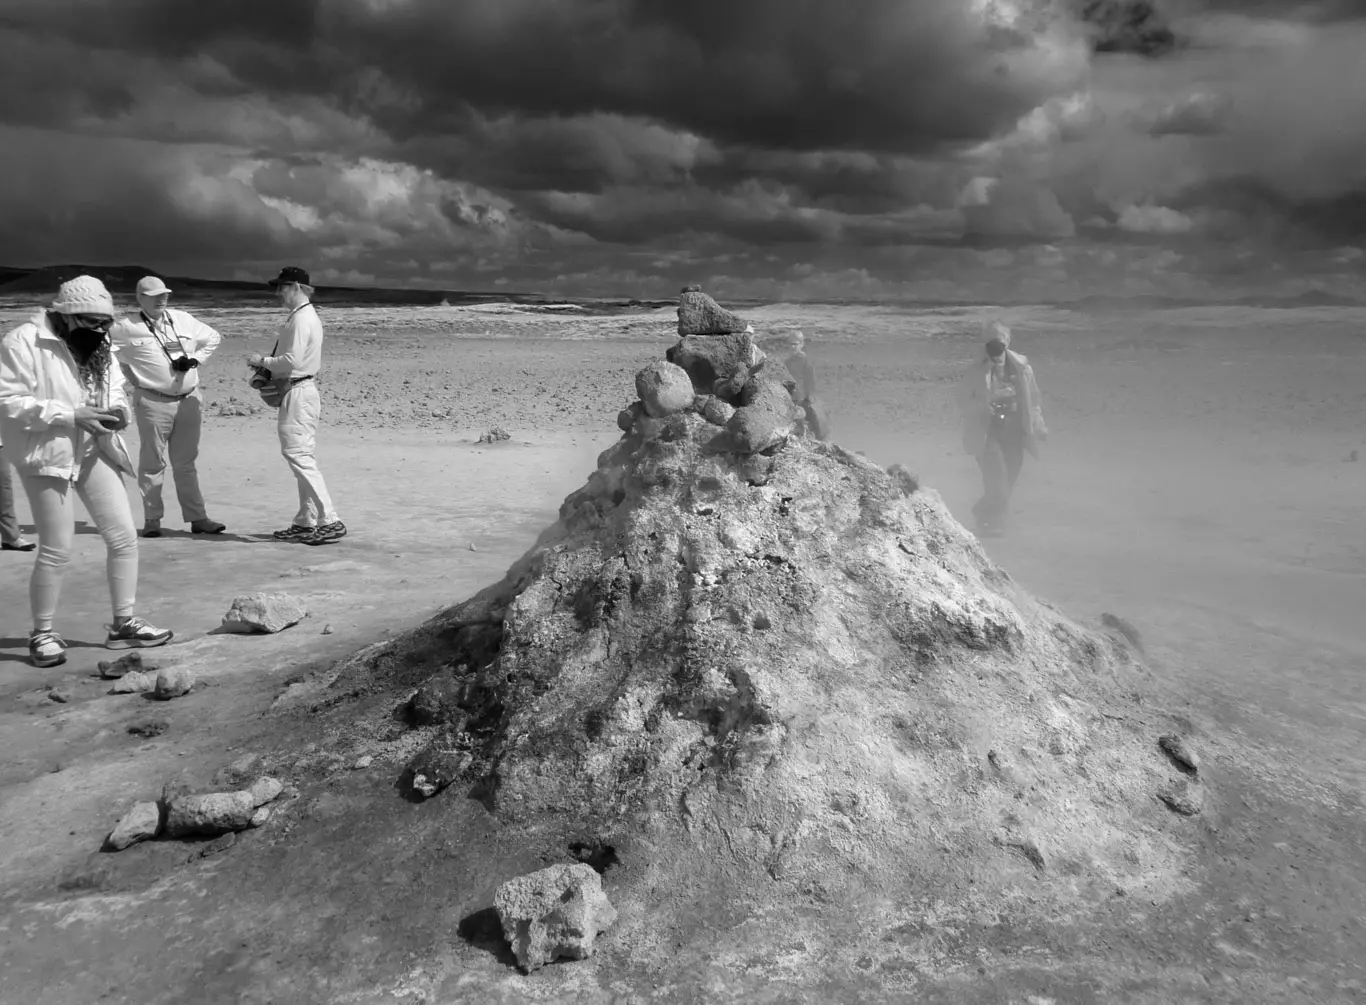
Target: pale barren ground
[[1197, 482]]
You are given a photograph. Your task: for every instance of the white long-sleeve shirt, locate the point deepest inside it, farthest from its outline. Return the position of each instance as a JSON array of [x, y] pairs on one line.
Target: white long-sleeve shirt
[[145, 352], [300, 350]]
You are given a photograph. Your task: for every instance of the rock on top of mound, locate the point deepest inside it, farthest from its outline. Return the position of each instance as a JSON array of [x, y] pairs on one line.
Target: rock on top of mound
[[699, 314], [790, 674]]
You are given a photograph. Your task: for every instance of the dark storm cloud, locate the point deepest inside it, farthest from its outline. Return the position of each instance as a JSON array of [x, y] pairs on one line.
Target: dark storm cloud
[[796, 74]]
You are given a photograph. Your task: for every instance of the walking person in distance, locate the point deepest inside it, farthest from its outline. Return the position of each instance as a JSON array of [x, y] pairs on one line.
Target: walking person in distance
[[291, 371], [62, 406], [160, 353]]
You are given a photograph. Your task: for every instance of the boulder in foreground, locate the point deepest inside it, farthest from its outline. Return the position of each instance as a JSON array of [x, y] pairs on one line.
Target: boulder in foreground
[[552, 914], [264, 613]]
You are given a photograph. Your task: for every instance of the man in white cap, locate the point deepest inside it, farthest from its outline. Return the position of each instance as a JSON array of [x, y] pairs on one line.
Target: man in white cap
[[160, 352]]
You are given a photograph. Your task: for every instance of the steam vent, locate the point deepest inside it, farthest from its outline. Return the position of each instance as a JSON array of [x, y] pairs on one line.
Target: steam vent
[[784, 684]]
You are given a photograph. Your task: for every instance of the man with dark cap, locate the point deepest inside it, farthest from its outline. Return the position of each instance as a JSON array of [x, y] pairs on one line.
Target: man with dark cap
[[293, 366]]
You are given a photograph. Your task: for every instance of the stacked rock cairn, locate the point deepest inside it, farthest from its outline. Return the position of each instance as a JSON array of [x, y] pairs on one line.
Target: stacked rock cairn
[[718, 371]]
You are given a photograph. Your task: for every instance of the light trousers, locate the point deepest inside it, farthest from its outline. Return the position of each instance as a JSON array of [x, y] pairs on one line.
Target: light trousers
[[169, 427], [53, 501], [298, 428], [9, 519]]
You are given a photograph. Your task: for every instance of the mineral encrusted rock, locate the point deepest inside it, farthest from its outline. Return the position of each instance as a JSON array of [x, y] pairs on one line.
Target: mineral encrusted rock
[[663, 389], [775, 679], [133, 682], [264, 612], [133, 662], [717, 365], [212, 813], [699, 314], [265, 789], [555, 913], [141, 823], [172, 682]]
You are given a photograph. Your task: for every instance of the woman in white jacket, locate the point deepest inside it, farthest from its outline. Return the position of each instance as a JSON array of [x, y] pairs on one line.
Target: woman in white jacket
[[62, 404]]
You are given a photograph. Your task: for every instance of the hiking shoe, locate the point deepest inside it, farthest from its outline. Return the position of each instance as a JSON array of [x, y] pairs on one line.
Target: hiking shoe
[[292, 532], [326, 534], [136, 634], [206, 526], [152, 528], [46, 649]]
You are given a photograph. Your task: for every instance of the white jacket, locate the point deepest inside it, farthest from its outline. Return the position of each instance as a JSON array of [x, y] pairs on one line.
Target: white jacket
[[40, 390]]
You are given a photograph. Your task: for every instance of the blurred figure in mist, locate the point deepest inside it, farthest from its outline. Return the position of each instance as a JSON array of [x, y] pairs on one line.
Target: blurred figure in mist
[[787, 347], [1002, 418]]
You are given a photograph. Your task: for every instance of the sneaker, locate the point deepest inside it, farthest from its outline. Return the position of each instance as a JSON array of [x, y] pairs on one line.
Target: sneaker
[[293, 531], [206, 526], [326, 534], [19, 545], [152, 528], [46, 649], [136, 634]]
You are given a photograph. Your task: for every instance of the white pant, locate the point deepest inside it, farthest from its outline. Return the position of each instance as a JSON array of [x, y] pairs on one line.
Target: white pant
[[175, 424], [53, 501], [298, 429]]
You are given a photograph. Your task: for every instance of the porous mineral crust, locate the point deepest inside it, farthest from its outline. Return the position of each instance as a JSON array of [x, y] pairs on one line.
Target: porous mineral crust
[[552, 914], [791, 678]]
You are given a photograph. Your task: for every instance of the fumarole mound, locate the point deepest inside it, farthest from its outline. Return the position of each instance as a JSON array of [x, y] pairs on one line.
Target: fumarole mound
[[789, 682]]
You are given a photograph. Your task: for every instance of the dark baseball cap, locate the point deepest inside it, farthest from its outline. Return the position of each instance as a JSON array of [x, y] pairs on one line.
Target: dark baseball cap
[[291, 274]]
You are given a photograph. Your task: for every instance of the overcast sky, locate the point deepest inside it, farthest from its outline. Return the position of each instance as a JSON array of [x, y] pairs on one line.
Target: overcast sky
[[994, 149]]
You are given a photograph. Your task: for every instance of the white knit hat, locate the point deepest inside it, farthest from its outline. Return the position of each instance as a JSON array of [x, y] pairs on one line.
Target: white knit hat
[[83, 295]]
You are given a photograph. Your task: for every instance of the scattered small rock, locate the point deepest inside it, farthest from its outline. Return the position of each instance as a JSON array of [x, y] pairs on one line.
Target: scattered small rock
[[716, 411], [1183, 797], [1175, 748], [149, 728], [472, 547], [327, 629], [211, 813], [172, 682], [61, 695], [141, 823], [264, 612], [133, 662], [259, 818], [133, 682], [495, 435], [663, 388], [265, 788], [554, 913], [363, 762], [434, 769]]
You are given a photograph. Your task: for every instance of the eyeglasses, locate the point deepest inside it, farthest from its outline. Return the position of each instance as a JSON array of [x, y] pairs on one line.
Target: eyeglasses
[[94, 321]]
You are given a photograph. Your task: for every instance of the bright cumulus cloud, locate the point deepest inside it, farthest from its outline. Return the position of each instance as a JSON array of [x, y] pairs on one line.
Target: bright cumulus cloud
[[872, 148]]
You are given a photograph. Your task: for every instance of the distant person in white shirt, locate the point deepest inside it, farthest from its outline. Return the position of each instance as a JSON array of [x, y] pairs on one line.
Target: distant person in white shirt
[[160, 352], [294, 363]]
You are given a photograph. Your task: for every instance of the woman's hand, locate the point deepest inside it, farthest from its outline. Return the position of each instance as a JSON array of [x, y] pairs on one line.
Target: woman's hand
[[92, 420]]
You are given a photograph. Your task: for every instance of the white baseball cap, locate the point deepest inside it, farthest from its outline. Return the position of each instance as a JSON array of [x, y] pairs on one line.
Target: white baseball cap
[[151, 286]]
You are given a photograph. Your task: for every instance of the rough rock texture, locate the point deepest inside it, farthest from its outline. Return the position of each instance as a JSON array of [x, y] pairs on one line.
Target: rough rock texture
[[264, 789], [141, 823], [699, 314], [716, 365], [790, 687], [172, 682], [663, 389], [134, 662], [133, 682], [552, 914], [211, 813], [264, 612], [437, 702], [436, 767], [766, 419]]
